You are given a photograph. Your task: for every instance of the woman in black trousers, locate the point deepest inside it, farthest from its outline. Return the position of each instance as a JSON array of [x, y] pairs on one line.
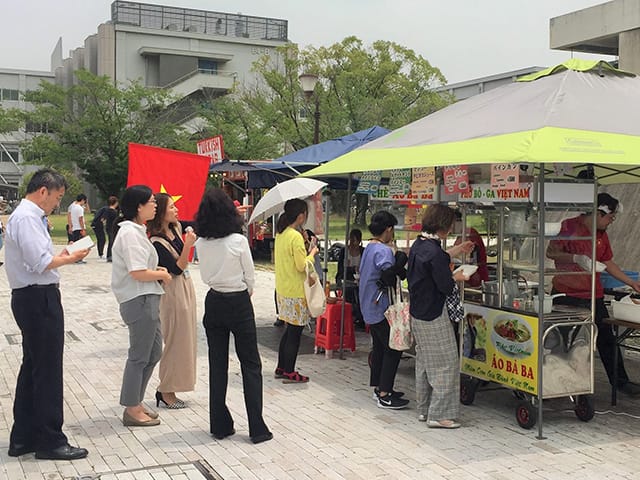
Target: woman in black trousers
[[227, 268]]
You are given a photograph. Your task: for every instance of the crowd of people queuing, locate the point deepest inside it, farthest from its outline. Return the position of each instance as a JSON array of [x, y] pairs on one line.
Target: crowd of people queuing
[[149, 248]]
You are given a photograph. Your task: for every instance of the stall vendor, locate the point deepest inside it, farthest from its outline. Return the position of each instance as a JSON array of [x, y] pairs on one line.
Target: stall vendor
[[574, 256]]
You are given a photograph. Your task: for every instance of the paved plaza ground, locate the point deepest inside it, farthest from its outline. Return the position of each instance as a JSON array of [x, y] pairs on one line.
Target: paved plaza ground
[[329, 428]]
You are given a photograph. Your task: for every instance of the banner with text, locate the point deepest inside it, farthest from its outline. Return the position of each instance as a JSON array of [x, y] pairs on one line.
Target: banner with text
[[500, 347], [369, 182], [484, 193], [212, 147]]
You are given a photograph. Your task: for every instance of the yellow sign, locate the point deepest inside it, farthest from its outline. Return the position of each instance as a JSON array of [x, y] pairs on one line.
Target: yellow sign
[[501, 347]]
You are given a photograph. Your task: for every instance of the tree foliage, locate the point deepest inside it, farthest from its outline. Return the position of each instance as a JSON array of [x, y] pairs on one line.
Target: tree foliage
[[9, 120], [93, 122], [383, 84]]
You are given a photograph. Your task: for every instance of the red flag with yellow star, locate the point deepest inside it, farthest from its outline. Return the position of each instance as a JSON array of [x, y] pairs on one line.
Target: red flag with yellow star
[[180, 174]]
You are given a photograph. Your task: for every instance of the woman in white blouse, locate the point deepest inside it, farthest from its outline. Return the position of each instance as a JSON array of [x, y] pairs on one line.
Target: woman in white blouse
[[135, 283], [226, 267]]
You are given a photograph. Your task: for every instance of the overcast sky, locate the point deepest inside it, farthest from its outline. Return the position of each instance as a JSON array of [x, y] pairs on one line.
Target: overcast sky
[[465, 39]]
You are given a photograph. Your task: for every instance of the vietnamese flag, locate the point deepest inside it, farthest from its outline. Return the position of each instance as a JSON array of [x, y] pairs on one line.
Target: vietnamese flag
[[180, 174]]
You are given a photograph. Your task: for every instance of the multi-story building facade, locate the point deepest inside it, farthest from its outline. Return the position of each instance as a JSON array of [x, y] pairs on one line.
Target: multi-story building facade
[[197, 54], [13, 85]]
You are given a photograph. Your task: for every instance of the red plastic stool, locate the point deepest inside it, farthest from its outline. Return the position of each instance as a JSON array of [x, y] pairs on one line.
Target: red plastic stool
[[328, 329]]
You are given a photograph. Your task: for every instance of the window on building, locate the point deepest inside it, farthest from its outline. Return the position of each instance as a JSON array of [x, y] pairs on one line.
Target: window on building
[[6, 157], [36, 127], [206, 65], [9, 94]]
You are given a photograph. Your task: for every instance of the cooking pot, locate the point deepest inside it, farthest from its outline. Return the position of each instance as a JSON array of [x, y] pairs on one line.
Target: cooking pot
[[547, 302]]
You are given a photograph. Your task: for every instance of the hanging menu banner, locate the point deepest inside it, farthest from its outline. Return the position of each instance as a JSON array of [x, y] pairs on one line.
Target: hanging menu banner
[[484, 193], [456, 179], [399, 183], [369, 182], [423, 183], [505, 175]]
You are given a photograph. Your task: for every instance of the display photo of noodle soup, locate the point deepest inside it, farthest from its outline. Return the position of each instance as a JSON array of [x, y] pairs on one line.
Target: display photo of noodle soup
[[512, 336]]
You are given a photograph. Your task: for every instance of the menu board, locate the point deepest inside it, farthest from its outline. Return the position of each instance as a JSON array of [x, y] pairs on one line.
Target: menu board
[[399, 183], [369, 182], [423, 183], [456, 179], [505, 175]]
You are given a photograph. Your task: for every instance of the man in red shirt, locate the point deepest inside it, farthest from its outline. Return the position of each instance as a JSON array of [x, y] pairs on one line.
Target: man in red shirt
[[575, 256]]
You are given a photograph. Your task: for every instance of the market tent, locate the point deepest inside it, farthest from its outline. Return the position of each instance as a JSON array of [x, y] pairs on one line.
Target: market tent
[[580, 112], [307, 158]]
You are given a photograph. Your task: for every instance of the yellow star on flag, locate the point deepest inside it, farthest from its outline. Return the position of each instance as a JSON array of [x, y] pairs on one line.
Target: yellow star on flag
[[175, 198]]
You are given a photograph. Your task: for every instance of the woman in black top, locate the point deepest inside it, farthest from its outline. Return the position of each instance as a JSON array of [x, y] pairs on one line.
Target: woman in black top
[[430, 282]]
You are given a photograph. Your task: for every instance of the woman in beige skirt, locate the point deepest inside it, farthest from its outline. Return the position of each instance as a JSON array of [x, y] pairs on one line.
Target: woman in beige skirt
[[177, 306]]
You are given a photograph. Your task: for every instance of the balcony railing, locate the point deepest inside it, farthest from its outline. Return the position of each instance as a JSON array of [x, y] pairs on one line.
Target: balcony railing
[[200, 21]]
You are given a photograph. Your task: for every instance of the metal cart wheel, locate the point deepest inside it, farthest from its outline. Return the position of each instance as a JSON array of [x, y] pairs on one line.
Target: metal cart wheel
[[584, 407], [526, 414], [468, 387]]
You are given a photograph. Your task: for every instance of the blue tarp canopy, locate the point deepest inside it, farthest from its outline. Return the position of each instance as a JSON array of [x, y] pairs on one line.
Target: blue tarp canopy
[[302, 160]]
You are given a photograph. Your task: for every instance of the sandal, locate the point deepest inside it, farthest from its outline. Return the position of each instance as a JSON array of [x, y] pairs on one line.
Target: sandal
[[279, 373], [294, 377]]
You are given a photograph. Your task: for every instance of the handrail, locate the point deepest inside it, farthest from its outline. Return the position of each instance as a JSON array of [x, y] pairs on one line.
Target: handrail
[[196, 72]]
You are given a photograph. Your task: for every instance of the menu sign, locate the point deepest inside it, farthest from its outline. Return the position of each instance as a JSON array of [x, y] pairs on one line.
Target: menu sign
[[369, 182], [423, 183], [500, 347], [399, 183], [505, 175], [456, 179]]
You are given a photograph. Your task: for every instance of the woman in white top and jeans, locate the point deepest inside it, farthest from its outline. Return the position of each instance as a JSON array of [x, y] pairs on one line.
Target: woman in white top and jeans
[[135, 283], [227, 268]]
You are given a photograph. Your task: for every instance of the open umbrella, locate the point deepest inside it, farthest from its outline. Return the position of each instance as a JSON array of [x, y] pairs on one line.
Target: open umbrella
[[273, 202], [580, 112]]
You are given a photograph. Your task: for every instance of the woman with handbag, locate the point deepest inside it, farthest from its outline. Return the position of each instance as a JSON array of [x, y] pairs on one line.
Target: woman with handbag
[[377, 262], [430, 283], [227, 268], [291, 261]]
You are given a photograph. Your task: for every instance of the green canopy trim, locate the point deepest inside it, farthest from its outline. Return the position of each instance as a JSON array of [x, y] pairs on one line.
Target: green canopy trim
[[574, 64], [544, 145]]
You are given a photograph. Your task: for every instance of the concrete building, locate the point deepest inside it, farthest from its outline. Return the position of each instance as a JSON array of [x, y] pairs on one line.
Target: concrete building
[[197, 54], [13, 85]]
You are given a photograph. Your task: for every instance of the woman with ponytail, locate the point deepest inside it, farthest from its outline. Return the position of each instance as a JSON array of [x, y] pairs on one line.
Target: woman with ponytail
[[291, 259]]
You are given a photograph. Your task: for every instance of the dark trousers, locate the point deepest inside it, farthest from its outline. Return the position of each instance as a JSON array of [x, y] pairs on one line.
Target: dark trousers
[[100, 238], [384, 360], [76, 235], [110, 244], [224, 314], [289, 346], [37, 406], [606, 342]]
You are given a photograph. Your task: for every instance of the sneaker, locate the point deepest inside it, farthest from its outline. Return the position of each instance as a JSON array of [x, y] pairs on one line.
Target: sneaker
[[376, 394], [388, 401], [422, 417]]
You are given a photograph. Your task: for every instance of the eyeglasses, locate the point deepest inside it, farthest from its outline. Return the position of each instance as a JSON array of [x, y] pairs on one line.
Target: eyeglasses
[[152, 200]]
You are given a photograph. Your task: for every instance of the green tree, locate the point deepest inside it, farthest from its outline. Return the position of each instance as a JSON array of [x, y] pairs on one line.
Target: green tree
[[9, 120], [92, 123], [359, 86]]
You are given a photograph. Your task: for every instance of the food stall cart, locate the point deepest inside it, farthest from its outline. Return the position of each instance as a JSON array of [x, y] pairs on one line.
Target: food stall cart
[[512, 333]]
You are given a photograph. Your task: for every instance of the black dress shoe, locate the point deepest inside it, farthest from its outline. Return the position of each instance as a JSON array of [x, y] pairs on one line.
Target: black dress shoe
[[630, 388], [65, 452], [220, 436], [20, 449], [262, 438]]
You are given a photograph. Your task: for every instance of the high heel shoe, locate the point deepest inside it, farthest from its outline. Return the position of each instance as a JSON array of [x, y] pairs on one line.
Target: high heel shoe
[[173, 406]]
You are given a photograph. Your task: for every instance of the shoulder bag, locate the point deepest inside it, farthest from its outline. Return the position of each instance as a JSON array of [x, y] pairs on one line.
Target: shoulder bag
[[313, 291], [400, 337]]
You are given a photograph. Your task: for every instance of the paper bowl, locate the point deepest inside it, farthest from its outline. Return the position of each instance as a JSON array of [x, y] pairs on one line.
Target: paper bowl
[[512, 336], [552, 228], [468, 270]]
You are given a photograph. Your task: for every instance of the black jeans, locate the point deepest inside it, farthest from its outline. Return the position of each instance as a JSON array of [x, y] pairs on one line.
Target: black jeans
[[233, 313], [384, 360], [111, 238], [289, 346], [100, 238], [37, 406], [606, 341]]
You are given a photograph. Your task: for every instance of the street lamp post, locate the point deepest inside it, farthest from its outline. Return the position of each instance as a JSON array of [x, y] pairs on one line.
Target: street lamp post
[[308, 83]]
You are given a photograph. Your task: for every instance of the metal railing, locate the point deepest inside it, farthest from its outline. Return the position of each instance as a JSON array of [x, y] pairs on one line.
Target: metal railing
[[195, 72], [200, 21]]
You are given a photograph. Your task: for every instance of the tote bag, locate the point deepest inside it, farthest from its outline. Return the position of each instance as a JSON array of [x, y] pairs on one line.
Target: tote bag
[[400, 337], [313, 291]]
